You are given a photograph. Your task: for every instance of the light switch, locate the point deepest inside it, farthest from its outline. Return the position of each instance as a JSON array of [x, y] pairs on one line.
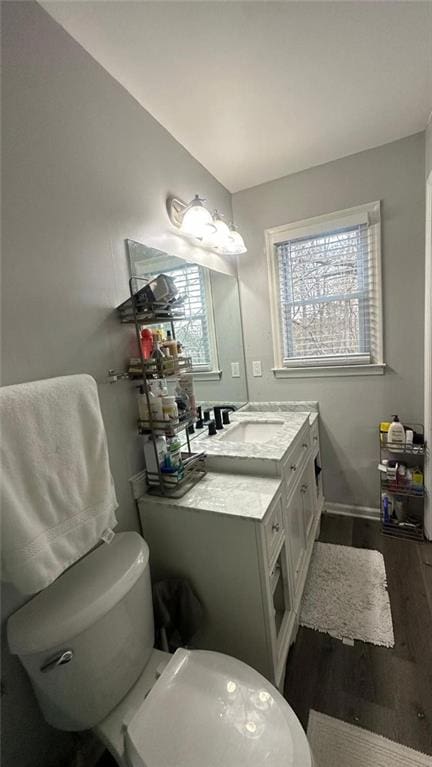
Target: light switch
[[256, 368], [235, 369]]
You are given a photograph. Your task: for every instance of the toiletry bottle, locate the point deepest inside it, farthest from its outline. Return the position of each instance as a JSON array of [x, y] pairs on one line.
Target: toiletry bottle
[[173, 461], [417, 479], [157, 353], [401, 475], [409, 437], [143, 408], [149, 453], [157, 334], [146, 339], [162, 387], [396, 435], [387, 507], [171, 344], [170, 409], [400, 510], [156, 408], [384, 427]]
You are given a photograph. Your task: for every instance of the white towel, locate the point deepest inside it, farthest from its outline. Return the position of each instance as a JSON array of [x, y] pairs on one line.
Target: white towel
[[58, 495]]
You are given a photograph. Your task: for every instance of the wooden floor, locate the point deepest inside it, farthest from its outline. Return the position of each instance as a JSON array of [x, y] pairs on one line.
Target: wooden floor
[[386, 691]]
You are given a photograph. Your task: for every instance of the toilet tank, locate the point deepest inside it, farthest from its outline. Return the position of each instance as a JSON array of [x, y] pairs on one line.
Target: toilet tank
[[98, 618]]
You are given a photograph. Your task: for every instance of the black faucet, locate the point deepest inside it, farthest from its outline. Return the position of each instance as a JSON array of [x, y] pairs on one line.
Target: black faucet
[[199, 422], [211, 428], [218, 416]]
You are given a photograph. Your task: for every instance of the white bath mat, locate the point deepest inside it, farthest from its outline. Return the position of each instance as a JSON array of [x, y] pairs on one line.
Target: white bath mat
[[337, 744], [346, 595]]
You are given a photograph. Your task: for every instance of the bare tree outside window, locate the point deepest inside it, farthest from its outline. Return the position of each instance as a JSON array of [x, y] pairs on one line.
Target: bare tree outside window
[[324, 294]]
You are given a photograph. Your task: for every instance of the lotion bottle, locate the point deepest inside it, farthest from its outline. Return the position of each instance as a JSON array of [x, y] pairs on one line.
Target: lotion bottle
[[396, 434]]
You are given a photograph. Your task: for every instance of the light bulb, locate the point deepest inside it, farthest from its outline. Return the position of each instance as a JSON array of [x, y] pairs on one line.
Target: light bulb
[[218, 239], [197, 220], [235, 243]]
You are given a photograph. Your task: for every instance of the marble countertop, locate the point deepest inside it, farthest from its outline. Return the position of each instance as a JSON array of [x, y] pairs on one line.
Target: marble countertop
[[310, 406], [289, 406], [272, 449], [223, 493]]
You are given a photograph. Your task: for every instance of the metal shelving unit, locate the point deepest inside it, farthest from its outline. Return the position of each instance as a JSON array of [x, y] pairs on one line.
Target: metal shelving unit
[[135, 311], [410, 526]]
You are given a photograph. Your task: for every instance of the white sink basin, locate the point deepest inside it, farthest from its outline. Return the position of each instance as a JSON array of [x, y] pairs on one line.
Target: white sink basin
[[253, 431]]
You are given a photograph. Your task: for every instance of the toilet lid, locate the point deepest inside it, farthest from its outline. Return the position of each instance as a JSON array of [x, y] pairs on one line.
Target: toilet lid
[[208, 710]]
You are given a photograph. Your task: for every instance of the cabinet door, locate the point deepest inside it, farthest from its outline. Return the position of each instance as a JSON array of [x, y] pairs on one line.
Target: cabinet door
[[309, 501], [296, 533], [281, 611]]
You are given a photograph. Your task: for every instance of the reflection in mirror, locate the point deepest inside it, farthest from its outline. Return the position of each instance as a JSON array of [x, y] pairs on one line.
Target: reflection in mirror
[[211, 331]]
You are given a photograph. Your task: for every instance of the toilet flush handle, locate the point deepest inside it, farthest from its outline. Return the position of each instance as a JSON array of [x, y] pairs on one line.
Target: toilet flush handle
[[59, 660]]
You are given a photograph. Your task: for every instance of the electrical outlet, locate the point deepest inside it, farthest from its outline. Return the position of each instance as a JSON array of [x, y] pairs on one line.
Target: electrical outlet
[[235, 369], [256, 368]]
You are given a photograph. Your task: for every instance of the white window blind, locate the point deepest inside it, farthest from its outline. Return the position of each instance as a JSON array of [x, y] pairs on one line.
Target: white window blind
[[195, 331], [328, 293]]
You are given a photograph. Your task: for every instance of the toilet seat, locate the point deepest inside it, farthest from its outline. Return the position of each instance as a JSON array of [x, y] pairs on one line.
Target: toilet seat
[[207, 710]]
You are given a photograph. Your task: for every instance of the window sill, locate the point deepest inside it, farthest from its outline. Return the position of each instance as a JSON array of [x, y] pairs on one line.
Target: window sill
[[323, 371], [207, 375]]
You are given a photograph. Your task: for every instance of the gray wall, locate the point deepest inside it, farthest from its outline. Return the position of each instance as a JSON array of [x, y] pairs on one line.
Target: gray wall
[[84, 167], [350, 407]]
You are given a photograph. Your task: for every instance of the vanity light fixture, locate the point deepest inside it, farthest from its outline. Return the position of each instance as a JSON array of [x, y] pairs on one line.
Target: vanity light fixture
[[236, 242], [195, 220]]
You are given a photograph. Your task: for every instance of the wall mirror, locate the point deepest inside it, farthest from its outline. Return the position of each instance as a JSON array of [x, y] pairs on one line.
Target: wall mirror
[[211, 331]]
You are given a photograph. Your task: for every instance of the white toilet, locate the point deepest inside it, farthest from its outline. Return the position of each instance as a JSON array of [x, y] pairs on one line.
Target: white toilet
[[86, 642]]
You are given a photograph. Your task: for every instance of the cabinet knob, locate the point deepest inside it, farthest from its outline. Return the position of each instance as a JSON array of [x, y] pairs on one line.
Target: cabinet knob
[[315, 439], [275, 527], [293, 467], [304, 488], [305, 445]]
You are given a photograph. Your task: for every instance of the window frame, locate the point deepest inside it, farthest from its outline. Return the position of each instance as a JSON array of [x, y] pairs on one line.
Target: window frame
[[161, 265], [369, 213]]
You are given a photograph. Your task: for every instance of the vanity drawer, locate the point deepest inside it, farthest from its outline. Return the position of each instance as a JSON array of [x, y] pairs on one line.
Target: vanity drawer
[[274, 529], [314, 434], [297, 457]]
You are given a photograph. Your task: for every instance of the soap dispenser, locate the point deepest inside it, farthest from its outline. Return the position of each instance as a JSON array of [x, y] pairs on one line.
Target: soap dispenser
[[396, 435]]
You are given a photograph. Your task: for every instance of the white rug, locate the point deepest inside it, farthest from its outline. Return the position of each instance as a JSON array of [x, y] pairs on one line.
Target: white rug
[[337, 744], [346, 595]]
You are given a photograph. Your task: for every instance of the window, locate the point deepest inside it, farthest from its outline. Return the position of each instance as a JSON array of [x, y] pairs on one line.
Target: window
[[326, 291], [196, 331]]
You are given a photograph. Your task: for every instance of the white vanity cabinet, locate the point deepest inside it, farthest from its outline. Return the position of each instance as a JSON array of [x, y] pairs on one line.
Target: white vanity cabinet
[[244, 542], [238, 567]]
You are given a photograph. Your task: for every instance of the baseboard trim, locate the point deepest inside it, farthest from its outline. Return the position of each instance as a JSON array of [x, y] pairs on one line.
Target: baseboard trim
[[345, 510]]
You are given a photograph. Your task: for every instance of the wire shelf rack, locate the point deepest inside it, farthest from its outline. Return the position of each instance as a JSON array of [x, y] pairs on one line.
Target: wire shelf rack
[[169, 428], [405, 496], [168, 367], [177, 484], [137, 311], [397, 489]]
